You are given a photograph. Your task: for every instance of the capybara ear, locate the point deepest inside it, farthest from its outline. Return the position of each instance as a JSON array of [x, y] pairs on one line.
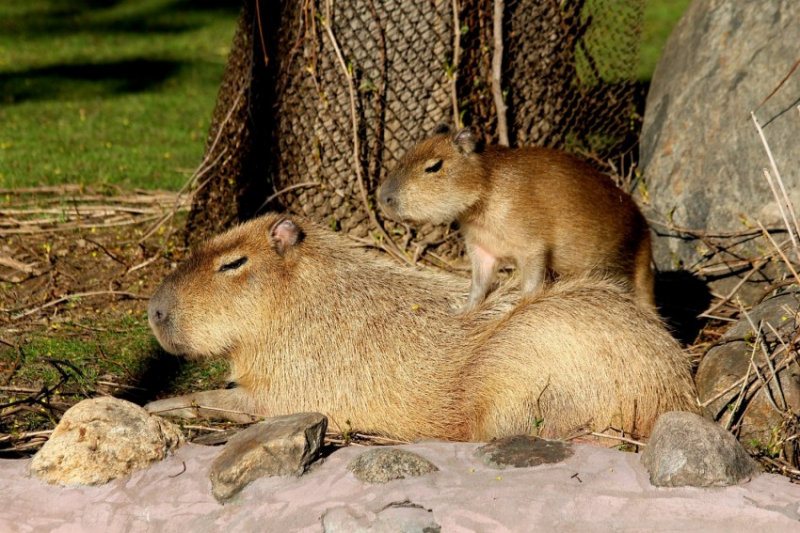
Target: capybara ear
[[464, 141], [285, 233], [441, 128]]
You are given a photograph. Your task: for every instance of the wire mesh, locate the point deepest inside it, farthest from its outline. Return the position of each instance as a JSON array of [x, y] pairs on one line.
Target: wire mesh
[[335, 93]]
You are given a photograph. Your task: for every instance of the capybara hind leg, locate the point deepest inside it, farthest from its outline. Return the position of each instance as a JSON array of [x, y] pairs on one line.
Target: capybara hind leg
[[223, 404]]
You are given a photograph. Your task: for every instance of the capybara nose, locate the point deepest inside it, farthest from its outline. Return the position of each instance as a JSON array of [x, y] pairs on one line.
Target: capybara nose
[[157, 315], [158, 309]]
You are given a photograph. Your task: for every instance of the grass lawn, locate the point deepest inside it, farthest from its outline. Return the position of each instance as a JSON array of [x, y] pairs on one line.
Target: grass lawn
[[121, 92], [660, 16], [104, 91]]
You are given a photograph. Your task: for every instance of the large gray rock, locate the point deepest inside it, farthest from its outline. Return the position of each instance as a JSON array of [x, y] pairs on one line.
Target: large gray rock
[[701, 154], [728, 362], [685, 449], [279, 446], [102, 439]]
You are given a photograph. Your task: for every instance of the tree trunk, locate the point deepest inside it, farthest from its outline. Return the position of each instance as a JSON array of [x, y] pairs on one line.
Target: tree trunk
[[351, 85]]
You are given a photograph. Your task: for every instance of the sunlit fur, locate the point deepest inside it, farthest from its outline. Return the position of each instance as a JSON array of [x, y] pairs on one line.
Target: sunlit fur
[[332, 328], [537, 208]]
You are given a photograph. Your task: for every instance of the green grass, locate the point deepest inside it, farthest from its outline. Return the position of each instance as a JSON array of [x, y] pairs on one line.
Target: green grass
[[118, 351], [103, 91], [121, 92], [660, 17], [77, 360]]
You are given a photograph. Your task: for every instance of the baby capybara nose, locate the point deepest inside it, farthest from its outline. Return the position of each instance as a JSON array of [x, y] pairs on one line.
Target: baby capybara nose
[[387, 198]]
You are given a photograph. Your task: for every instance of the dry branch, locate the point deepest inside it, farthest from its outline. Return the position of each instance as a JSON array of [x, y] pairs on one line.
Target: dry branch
[[456, 60], [71, 297], [497, 65]]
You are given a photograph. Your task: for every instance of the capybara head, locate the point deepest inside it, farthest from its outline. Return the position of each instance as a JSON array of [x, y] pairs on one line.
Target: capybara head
[[436, 181], [225, 289]]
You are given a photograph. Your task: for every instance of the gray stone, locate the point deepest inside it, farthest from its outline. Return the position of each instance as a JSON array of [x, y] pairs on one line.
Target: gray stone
[[523, 451], [701, 154], [399, 517], [280, 446], [780, 312], [729, 361], [102, 439], [685, 449], [382, 465]]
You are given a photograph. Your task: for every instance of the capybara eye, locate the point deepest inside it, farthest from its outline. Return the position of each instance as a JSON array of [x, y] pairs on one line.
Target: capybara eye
[[434, 167], [233, 264]]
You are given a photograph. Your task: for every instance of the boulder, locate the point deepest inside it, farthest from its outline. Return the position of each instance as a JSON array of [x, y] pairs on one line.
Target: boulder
[[759, 421], [701, 154], [685, 449], [102, 439], [279, 446]]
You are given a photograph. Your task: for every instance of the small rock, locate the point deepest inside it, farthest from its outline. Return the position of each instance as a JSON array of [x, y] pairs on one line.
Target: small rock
[[102, 439], [400, 517], [280, 446], [523, 451], [382, 465], [685, 449]]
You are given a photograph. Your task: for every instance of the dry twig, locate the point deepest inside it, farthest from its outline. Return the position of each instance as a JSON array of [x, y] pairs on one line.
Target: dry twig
[[456, 60], [70, 297], [497, 65], [785, 202]]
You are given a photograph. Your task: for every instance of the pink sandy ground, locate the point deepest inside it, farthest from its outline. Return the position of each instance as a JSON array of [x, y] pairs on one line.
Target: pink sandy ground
[[611, 492]]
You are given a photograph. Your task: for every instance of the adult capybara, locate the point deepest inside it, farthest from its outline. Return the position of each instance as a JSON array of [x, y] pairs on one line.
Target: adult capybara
[[309, 322], [539, 208]]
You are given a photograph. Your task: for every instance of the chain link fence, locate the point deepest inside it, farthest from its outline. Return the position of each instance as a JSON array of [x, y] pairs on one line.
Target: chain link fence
[[321, 98]]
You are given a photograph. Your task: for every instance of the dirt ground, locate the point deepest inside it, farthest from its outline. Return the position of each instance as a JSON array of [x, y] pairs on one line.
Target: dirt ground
[[76, 269]]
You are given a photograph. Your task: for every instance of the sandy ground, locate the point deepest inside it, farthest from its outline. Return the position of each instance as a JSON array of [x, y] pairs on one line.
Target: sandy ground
[[594, 490]]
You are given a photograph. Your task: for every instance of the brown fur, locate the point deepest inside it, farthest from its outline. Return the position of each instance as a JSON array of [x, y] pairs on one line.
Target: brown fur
[[310, 323], [536, 207]]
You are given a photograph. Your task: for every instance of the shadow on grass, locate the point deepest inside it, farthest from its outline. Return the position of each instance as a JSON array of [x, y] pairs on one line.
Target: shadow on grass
[[163, 375], [159, 375], [63, 17], [85, 80]]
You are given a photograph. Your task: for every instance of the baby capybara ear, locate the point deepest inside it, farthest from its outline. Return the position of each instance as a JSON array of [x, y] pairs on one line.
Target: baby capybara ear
[[464, 141], [442, 128], [285, 234]]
